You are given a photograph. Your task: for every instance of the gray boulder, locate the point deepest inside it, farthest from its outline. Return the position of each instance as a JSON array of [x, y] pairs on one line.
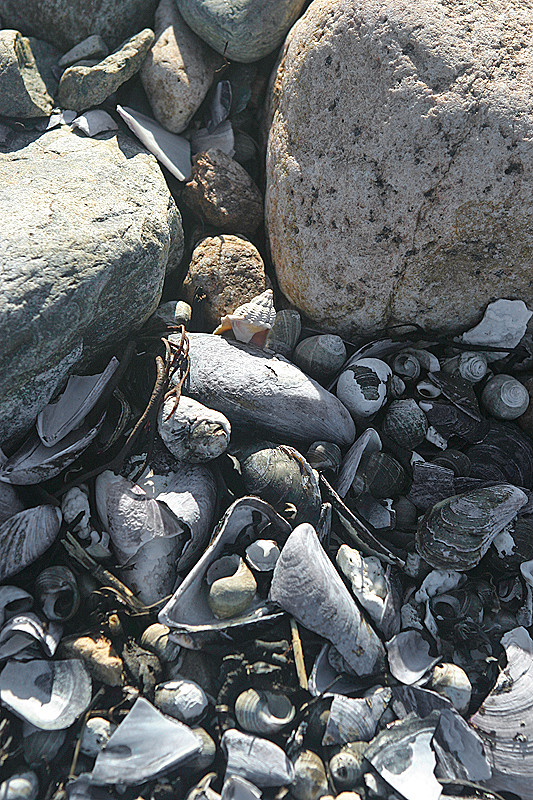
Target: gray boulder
[[400, 162], [23, 92], [87, 229], [64, 23]]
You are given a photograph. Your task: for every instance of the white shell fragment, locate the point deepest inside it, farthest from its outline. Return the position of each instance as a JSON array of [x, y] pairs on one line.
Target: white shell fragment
[[460, 749], [503, 325], [26, 536], [251, 321], [306, 584], [96, 734], [409, 658], [173, 151], [258, 760], [182, 699], [81, 393], [94, 122], [402, 755], [49, 694], [363, 387], [505, 719], [191, 431], [354, 719], [25, 630], [146, 744]]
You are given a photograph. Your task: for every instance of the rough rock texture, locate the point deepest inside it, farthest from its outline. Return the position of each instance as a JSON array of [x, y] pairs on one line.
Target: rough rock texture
[[243, 30], [81, 88], [221, 192], [46, 57], [87, 227], [178, 70], [229, 270], [400, 162], [23, 92], [64, 23]]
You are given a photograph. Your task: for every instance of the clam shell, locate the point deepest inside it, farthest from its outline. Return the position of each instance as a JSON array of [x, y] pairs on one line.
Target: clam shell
[[252, 318], [13, 601], [26, 536], [310, 779], [56, 589], [145, 744], [281, 476], [405, 423], [363, 447], [457, 532], [356, 718], [285, 332], [96, 734], [264, 393], [191, 431], [81, 394], [20, 786], [187, 613], [505, 397], [259, 711], [364, 387], [258, 760], [320, 356], [182, 699], [324, 456], [306, 584], [232, 587], [49, 694]]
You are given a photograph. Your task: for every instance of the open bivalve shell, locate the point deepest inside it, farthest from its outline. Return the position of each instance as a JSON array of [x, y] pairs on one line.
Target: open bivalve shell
[[26, 536], [258, 760], [25, 630], [188, 613], [307, 585], [49, 694], [354, 719]]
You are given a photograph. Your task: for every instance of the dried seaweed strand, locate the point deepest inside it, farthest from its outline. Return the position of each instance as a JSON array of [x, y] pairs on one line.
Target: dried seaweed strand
[[298, 655]]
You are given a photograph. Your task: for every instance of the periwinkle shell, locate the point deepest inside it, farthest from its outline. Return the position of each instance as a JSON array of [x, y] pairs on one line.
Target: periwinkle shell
[[505, 397], [232, 587], [406, 365], [320, 356], [364, 387], [263, 712], [405, 423], [384, 476], [310, 780]]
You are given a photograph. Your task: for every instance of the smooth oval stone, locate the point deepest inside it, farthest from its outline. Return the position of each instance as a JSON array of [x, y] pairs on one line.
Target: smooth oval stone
[[245, 30], [264, 393]]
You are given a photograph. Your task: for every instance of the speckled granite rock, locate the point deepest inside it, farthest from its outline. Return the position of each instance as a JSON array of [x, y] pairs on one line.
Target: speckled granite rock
[[221, 192], [400, 162], [178, 70], [228, 270], [87, 227], [81, 88], [64, 23], [23, 92], [242, 30]]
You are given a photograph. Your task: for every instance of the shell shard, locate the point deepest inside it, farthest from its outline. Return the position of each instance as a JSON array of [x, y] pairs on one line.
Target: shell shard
[[191, 431], [26, 536], [236, 788], [264, 392], [409, 658], [402, 755], [49, 694], [325, 680], [307, 585], [457, 532], [146, 744], [506, 716], [13, 601], [460, 749], [258, 760], [354, 719], [173, 151], [25, 630], [252, 318], [503, 325], [58, 419]]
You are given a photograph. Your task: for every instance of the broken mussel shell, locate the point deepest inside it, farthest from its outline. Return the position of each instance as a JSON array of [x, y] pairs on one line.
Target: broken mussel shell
[[258, 760], [324, 456], [26, 536], [457, 532]]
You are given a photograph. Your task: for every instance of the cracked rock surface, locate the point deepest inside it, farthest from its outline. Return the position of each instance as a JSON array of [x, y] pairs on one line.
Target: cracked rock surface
[[399, 162]]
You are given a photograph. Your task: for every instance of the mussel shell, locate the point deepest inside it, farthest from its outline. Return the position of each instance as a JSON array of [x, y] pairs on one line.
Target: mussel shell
[[285, 332], [57, 591], [457, 532], [324, 456], [320, 356], [26, 536], [384, 476], [281, 476], [517, 548], [41, 747], [405, 423], [505, 454], [454, 460]]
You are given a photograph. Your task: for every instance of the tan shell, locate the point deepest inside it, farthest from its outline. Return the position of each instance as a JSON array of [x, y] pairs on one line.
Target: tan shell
[[251, 318], [232, 587]]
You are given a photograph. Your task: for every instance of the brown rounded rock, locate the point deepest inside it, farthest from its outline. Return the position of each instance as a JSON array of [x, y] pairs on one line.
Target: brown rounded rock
[[229, 270], [221, 192], [400, 162], [98, 655]]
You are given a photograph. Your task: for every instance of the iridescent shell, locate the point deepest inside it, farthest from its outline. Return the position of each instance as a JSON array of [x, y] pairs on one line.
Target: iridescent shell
[[251, 321]]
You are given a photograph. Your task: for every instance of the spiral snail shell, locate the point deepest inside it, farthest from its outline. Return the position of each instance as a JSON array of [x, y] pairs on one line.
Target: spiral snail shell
[[505, 397], [57, 591]]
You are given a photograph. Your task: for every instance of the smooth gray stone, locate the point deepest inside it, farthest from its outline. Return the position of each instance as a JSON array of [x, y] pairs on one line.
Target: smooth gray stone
[[81, 87], [88, 230], [93, 47], [22, 90], [242, 30], [64, 23]]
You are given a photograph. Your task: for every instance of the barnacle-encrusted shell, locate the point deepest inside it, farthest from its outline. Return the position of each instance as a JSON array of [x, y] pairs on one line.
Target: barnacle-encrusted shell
[[405, 423], [505, 397], [457, 532], [232, 587], [191, 431], [57, 591], [285, 332], [259, 711], [280, 475], [364, 387], [260, 761], [252, 318], [26, 536], [320, 356], [310, 780]]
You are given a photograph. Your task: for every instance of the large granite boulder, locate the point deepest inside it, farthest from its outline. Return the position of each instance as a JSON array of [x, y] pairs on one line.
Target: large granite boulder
[[64, 23], [88, 230], [400, 162]]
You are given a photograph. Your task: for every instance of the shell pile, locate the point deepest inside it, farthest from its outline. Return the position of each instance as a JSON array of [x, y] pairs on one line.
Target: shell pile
[[300, 576]]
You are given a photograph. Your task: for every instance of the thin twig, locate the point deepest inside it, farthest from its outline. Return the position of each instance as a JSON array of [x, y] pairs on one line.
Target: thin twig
[[72, 771], [298, 655]]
